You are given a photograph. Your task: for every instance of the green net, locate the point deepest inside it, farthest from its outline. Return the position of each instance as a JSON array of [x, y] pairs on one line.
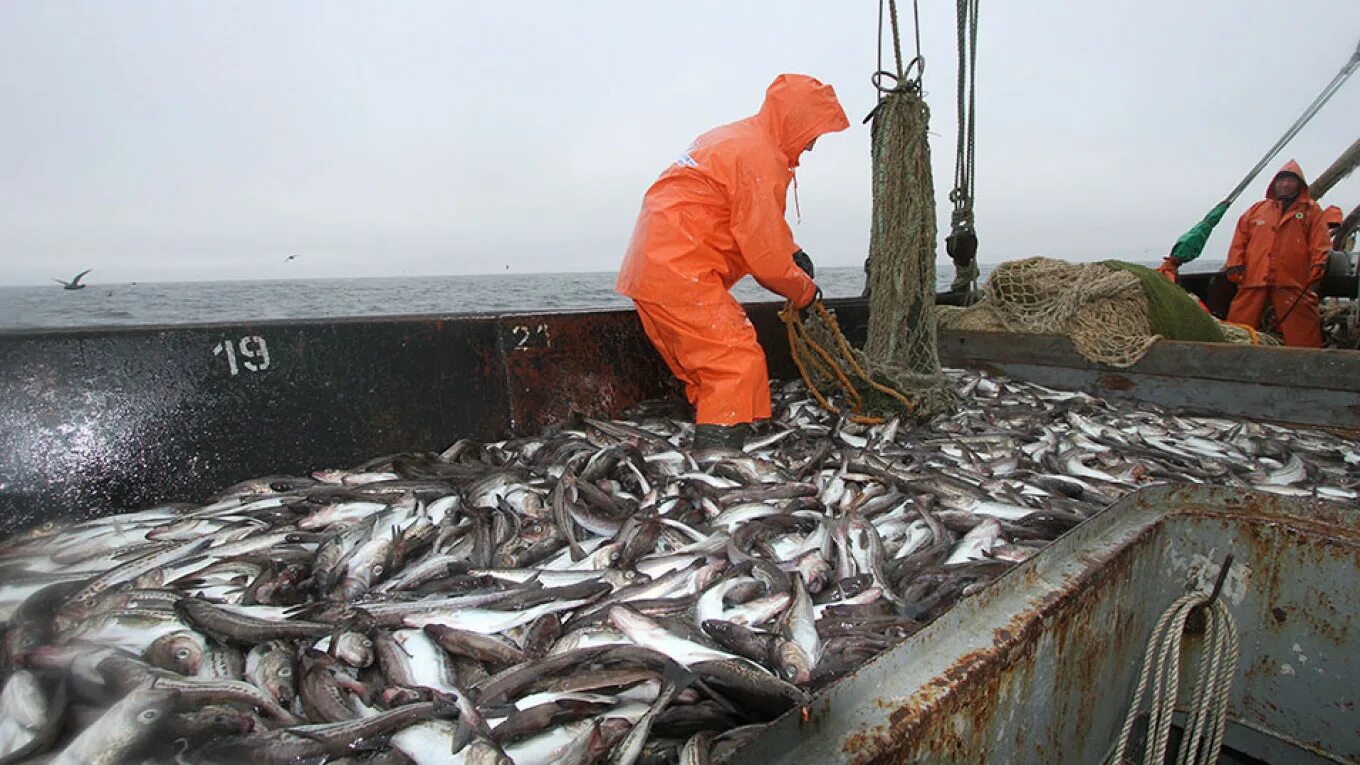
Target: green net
[[1174, 314]]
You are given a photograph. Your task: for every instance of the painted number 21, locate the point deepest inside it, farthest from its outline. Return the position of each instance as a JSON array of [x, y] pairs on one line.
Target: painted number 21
[[252, 350]]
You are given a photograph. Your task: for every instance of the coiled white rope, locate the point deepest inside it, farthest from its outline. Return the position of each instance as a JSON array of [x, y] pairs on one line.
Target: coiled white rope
[[1208, 711]]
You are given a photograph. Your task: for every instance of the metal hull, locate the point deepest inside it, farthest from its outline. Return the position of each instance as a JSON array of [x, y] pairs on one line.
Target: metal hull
[[1040, 667], [96, 421]]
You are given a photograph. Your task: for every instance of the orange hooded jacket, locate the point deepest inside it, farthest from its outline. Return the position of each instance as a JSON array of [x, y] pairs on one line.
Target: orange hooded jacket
[[1278, 247], [717, 214]]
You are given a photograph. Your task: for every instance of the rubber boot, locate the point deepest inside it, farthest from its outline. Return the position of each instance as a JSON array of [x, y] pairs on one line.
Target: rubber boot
[[731, 437]]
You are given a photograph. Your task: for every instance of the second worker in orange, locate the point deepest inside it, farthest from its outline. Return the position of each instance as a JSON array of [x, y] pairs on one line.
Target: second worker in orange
[[1278, 257]]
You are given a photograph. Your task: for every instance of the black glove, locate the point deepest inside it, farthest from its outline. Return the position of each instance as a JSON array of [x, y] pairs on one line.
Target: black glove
[[802, 260], [806, 311]]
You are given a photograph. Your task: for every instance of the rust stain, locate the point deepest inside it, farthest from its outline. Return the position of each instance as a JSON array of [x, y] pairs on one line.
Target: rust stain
[[595, 366], [1116, 382], [950, 717]]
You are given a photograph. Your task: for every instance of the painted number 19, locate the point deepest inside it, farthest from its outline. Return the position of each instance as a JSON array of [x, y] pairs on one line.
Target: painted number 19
[[252, 351]]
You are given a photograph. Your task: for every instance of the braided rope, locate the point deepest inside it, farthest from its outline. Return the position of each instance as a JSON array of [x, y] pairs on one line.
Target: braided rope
[[1208, 711], [806, 351]]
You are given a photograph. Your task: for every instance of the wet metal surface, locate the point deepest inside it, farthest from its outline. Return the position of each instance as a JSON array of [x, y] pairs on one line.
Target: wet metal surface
[[97, 421], [94, 421], [1040, 667]]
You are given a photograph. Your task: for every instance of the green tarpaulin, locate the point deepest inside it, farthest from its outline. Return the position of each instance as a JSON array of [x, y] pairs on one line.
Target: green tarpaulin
[[1191, 243]]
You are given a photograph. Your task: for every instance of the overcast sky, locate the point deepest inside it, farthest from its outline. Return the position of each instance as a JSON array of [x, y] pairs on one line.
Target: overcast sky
[[192, 140]]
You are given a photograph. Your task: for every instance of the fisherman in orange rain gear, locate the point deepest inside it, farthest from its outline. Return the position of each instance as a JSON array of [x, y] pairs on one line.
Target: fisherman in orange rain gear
[[1279, 255], [1170, 268], [1333, 218], [710, 219]]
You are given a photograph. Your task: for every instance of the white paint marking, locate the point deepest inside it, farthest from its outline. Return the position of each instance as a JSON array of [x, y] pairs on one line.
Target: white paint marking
[[252, 350]]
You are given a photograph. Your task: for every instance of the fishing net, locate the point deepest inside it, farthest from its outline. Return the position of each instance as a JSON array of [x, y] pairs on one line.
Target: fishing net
[[1112, 311], [897, 373], [1341, 325], [901, 347]]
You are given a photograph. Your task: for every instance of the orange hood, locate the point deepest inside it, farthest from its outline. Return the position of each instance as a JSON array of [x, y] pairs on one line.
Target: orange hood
[[1333, 216], [797, 109], [1290, 167]]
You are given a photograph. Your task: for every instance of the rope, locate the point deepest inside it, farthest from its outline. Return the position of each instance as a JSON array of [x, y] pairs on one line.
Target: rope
[[961, 243], [1332, 87], [1250, 330], [962, 195], [1208, 711], [807, 351], [903, 78]]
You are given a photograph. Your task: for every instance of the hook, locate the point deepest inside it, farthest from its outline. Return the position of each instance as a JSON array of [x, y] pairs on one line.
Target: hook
[[1222, 576]]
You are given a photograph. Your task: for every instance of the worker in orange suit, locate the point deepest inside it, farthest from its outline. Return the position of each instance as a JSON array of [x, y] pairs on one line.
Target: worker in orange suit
[[1278, 257], [711, 218], [1333, 217]]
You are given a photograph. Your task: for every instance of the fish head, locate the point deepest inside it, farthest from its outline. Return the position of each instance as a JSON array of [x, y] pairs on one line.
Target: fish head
[[354, 649], [280, 677], [618, 578], [394, 696], [708, 573], [76, 610], [814, 570], [793, 662], [628, 621], [21, 639], [217, 720], [145, 709], [180, 652], [483, 752]]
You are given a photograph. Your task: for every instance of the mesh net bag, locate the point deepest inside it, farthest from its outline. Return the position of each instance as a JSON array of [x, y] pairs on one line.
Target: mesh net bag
[[901, 350], [1113, 312]]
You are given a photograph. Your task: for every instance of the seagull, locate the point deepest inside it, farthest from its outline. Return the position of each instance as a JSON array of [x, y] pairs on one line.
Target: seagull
[[74, 284], [290, 257]]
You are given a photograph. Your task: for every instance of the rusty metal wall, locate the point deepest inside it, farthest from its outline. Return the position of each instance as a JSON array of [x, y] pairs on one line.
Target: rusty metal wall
[[1040, 667]]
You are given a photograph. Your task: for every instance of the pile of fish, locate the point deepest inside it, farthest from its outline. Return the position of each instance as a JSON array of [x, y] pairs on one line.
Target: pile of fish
[[596, 593]]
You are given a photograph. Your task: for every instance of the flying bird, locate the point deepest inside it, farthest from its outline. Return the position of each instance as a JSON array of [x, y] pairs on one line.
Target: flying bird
[[290, 257], [74, 284]]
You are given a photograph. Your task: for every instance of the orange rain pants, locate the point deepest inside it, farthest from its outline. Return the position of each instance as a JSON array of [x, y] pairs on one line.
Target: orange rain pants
[[713, 217], [1302, 325], [712, 349], [1276, 254]]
